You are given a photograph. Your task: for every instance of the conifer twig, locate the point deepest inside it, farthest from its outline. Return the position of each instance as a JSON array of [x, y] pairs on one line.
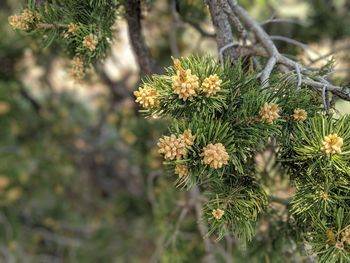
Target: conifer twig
[[279, 20], [50, 26]]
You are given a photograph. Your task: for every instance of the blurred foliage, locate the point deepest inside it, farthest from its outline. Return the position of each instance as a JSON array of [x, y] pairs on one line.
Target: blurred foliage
[[53, 197], [71, 177], [332, 16]]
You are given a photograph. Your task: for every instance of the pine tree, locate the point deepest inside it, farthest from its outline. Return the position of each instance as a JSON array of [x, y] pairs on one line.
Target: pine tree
[[221, 113]]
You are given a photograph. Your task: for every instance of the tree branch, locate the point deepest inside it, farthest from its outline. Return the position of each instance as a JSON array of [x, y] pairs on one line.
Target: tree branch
[[294, 42], [202, 227], [303, 73], [200, 29], [235, 21], [141, 51], [50, 26], [35, 105], [279, 20], [223, 30], [279, 200]]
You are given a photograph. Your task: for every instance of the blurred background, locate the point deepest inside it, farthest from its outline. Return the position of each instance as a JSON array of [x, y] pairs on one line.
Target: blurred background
[[80, 176]]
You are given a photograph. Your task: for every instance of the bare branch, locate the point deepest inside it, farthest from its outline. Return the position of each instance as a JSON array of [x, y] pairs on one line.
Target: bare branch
[[58, 239], [295, 42], [223, 30], [275, 57], [282, 201], [325, 99], [119, 91], [133, 17], [175, 21], [32, 101], [181, 21], [332, 52], [341, 92], [265, 74], [222, 50], [200, 29], [202, 227], [261, 35], [300, 79], [251, 24], [235, 21], [280, 20]]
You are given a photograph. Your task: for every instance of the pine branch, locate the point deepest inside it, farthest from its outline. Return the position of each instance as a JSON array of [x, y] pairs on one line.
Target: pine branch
[[261, 35], [133, 17], [50, 26]]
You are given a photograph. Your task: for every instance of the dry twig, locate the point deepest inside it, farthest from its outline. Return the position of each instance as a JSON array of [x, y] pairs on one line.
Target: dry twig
[[305, 75]]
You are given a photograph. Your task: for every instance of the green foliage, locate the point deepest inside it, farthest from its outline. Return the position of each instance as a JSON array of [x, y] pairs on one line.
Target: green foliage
[[47, 203], [171, 219], [321, 202], [308, 144], [331, 16], [207, 130], [39, 154], [274, 240], [193, 11], [330, 238], [233, 118], [242, 199], [89, 17]]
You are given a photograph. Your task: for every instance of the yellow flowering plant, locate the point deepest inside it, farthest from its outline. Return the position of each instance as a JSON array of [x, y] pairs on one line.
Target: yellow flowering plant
[[186, 87], [75, 24], [220, 118], [324, 143]]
